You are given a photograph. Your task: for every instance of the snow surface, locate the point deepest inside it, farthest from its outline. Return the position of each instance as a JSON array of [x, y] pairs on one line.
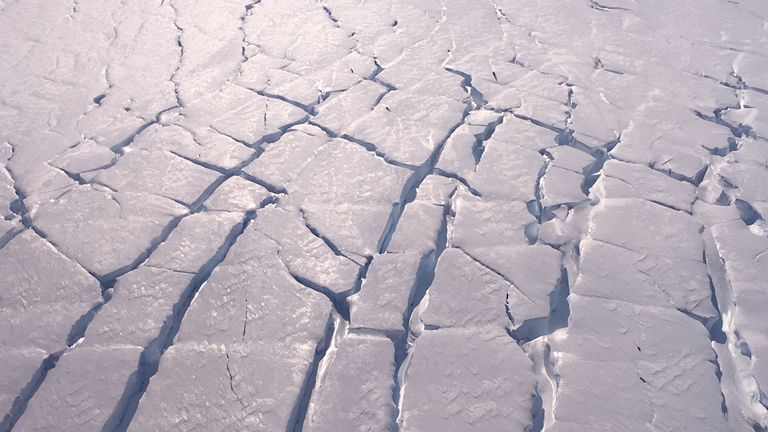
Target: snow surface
[[384, 215]]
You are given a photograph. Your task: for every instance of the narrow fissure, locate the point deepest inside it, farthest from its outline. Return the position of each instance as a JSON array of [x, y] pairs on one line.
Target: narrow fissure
[[424, 277], [301, 407], [150, 358]]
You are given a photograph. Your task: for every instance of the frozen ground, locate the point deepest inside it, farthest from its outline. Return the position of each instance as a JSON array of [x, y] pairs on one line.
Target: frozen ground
[[384, 215]]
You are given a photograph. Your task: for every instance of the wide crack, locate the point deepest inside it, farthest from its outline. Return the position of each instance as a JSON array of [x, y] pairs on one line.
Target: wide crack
[[149, 360]]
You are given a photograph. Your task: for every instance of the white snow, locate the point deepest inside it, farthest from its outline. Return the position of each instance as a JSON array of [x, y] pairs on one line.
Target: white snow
[[444, 215]]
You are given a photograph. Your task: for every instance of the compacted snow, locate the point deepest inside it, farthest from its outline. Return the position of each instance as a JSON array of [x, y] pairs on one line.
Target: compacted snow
[[384, 215]]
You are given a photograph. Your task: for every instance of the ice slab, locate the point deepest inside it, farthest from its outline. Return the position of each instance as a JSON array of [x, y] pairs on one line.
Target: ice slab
[[386, 291], [44, 294], [88, 221], [67, 400], [358, 377], [460, 380]]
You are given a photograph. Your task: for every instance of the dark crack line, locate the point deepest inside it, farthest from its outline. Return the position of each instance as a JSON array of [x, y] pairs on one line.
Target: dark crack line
[[247, 11], [495, 272], [202, 164], [739, 131], [328, 242], [338, 301], [478, 147], [301, 406], [598, 65], [232, 383], [237, 140], [369, 147], [246, 313], [722, 298], [119, 148], [330, 16], [408, 193], [714, 327], [29, 390], [147, 364], [556, 319], [10, 235], [374, 76], [309, 109], [19, 208], [425, 275], [602, 8], [180, 46], [149, 360], [464, 182], [275, 190], [476, 97]]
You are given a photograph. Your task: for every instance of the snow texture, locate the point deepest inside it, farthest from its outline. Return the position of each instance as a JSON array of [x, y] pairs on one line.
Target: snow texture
[[384, 215]]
